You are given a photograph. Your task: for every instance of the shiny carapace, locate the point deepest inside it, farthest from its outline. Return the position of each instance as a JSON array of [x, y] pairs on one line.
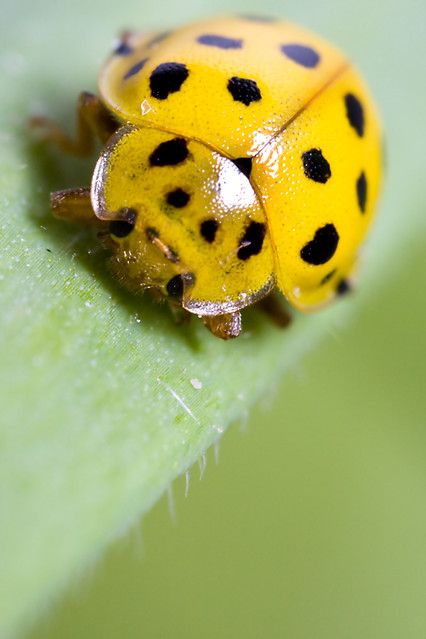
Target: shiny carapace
[[240, 155]]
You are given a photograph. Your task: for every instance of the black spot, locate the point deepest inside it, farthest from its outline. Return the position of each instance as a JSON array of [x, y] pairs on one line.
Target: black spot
[[361, 191], [135, 68], [49, 250], [178, 198], [208, 230], [355, 113], [125, 224], [322, 248], [343, 287], [169, 153], [120, 228], [219, 41], [176, 285], [167, 78], [244, 90], [327, 277], [303, 55], [244, 164], [123, 49], [252, 241], [315, 165]]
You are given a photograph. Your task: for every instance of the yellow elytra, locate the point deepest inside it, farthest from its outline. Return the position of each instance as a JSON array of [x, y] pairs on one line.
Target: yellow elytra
[[246, 156]]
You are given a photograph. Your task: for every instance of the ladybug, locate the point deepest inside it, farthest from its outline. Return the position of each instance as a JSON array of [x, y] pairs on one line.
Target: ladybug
[[240, 155]]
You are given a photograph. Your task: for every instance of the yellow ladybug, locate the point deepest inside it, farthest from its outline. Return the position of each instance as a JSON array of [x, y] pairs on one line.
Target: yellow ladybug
[[241, 154]]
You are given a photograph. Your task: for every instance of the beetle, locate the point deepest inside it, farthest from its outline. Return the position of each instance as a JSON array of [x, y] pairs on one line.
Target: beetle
[[240, 155]]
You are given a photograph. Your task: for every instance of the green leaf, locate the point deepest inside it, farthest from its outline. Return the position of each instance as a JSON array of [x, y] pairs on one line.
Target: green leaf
[[312, 524], [105, 398], [101, 407]]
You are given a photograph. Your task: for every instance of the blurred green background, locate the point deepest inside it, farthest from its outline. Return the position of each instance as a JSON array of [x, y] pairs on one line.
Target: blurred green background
[[313, 522]]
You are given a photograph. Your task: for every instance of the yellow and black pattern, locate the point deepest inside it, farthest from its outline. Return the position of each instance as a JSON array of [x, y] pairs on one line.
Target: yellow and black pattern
[[318, 181], [249, 156], [230, 82], [183, 219]]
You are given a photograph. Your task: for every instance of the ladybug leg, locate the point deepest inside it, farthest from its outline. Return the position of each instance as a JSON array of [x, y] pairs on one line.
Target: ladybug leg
[[271, 306], [93, 121], [180, 314], [225, 326], [74, 205]]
